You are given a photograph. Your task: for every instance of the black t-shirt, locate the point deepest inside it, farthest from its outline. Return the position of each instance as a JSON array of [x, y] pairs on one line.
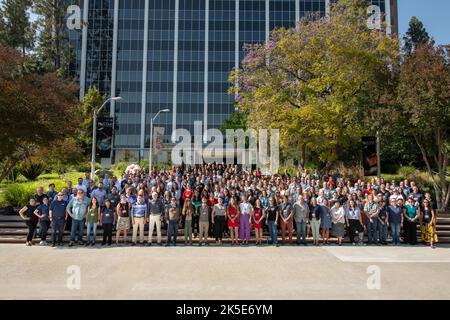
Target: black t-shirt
[[383, 214], [272, 213], [427, 215], [39, 198], [30, 214]]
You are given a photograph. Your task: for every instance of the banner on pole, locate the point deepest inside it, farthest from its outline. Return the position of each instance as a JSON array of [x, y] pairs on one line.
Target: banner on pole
[[104, 137], [369, 153], [158, 138]]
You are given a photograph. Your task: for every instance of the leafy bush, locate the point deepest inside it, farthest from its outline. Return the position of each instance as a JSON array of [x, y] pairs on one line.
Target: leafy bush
[[31, 169], [390, 168], [407, 172], [86, 166], [121, 166], [143, 164], [17, 195]]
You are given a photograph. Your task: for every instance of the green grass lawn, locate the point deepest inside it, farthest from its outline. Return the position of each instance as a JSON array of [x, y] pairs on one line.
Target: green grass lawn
[[44, 180]]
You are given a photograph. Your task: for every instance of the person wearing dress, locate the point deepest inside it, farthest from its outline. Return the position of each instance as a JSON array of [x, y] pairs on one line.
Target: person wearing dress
[[325, 220], [429, 224], [257, 217], [233, 221], [338, 220]]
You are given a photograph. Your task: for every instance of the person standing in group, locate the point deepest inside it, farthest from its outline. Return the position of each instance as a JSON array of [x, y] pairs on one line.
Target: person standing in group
[[218, 220], [100, 194], [382, 222], [58, 218], [77, 210], [42, 212], [412, 215], [272, 213], [257, 218], [325, 220], [138, 215], [354, 222], [286, 220], [245, 212], [301, 217], [233, 221], [123, 218], [188, 213], [173, 215], [395, 219], [31, 220], [204, 213], [314, 220], [428, 224], [338, 220], [156, 213], [371, 211], [92, 220], [107, 221]]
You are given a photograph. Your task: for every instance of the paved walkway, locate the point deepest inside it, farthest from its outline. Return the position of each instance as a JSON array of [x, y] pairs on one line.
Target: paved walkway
[[225, 273]]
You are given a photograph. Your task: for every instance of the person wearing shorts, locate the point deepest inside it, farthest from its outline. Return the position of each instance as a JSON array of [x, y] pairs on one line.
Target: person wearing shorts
[[123, 218]]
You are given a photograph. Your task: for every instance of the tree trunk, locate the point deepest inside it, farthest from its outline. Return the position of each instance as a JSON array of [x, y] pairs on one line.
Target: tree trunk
[[7, 168]]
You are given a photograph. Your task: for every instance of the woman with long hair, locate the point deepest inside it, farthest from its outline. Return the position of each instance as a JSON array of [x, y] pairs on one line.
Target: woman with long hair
[[218, 219], [31, 220], [429, 224], [123, 218], [325, 218], [257, 217], [92, 220], [233, 220], [188, 213]]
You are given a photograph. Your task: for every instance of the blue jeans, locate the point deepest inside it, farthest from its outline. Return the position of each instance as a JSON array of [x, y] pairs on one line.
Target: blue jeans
[[172, 231], [395, 229], [301, 232], [94, 231], [58, 229], [77, 225], [383, 231], [372, 233], [273, 231]]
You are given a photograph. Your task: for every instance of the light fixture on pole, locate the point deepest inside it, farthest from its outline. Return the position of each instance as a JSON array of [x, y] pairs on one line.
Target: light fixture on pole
[[94, 133], [150, 157]]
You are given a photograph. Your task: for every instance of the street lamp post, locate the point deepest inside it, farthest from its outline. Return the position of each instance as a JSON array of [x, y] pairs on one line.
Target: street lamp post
[[150, 157], [94, 133]]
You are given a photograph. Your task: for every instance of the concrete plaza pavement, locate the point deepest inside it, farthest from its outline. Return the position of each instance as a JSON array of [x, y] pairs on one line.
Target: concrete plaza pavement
[[329, 272]]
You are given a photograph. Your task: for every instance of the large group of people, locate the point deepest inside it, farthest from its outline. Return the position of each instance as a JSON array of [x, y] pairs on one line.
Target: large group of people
[[220, 202]]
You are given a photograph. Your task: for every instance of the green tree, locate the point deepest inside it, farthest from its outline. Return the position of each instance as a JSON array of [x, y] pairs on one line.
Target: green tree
[[93, 100], [53, 47], [319, 82], [416, 34], [16, 30], [423, 110], [237, 120], [36, 109]]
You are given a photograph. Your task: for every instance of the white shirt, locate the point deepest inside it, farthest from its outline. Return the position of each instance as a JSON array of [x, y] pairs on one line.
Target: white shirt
[[246, 208]]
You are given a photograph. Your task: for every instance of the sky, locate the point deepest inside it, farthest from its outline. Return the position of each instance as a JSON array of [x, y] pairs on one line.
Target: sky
[[435, 15]]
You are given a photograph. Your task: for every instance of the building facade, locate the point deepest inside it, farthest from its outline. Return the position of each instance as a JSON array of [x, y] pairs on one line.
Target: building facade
[[175, 54]]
